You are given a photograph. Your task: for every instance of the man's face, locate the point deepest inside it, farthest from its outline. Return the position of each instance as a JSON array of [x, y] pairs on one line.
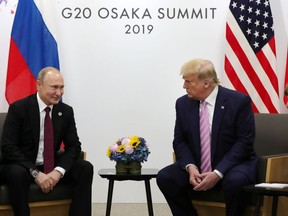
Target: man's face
[[195, 88], [51, 88]]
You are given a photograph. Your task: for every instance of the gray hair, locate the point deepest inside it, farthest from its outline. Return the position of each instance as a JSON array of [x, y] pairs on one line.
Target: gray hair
[[44, 71]]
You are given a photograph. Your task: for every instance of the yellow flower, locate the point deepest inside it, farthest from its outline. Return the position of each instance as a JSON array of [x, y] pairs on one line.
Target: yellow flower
[[121, 148], [108, 153], [134, 141]]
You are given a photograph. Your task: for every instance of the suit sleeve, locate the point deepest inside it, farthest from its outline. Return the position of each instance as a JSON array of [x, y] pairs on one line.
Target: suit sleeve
[[68, 135], [181, 147], [238, 133], [15, 139]]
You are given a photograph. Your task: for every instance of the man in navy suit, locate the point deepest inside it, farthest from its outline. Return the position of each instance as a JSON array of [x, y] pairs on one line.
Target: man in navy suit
[[23, 147], [232, 132]]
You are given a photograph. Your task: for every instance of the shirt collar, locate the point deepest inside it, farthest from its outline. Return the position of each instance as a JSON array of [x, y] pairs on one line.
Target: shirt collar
[[41, 104], [211, 99]]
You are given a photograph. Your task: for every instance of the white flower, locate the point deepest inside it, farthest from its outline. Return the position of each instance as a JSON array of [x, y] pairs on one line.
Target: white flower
[[125, 141]]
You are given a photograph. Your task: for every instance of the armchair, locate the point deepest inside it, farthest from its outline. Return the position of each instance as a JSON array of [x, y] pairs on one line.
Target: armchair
[[55, 202], [271, 145]]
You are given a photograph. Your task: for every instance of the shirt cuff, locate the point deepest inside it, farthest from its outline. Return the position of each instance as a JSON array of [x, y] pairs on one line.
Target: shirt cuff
[[61, 170], [218, 173]]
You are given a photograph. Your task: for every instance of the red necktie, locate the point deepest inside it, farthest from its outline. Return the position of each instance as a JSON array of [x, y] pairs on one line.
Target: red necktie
[[48, 143], [205, 139]]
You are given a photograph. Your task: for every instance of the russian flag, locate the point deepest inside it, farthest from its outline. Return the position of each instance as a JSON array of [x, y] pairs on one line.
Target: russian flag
[[32, 47]]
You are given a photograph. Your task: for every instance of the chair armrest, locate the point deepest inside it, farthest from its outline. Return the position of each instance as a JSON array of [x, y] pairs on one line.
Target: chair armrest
[[276, 170], [270, 168], [174, 156], [82, 155]]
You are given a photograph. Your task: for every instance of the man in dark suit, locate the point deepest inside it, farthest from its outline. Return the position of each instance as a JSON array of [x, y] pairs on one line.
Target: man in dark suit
[[23, 147], [231, 157]]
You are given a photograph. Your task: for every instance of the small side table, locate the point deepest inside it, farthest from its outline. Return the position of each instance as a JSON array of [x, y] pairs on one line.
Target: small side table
[[146, 175], [265, 191]]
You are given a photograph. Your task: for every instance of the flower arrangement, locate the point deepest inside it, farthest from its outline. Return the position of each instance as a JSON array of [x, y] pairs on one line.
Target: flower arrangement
[[129, 149]]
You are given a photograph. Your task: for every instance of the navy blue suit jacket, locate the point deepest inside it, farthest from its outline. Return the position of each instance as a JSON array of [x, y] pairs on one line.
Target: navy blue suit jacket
[[233, 133], [20, 138]]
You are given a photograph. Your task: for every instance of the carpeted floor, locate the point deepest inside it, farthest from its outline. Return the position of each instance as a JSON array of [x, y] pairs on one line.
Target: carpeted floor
[[131, 209]]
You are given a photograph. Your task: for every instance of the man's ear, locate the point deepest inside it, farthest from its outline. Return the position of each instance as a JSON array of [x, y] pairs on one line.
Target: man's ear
[[206, 83], [38, 84]]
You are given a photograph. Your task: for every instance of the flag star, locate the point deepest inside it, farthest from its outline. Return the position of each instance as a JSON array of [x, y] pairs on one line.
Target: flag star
[[249, 20], [256, 34], [248, 31], [258, 2], [265, 25], [257, 23], [250, 10], [257, 12], [264, 36], [266, 14], [256, 44], [241, 18], [266, 3], [242, 7], [234, 4]]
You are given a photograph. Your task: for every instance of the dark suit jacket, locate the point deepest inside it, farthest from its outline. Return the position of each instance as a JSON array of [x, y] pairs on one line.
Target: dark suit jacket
[[233, 133], [20, 138]]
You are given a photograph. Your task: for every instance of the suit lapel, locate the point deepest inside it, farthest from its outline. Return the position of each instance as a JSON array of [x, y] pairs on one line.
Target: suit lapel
[[34, 118], [57, 119], [220, 106], [193, 113]]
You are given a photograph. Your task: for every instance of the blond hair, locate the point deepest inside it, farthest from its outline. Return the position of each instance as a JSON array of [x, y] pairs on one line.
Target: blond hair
[[204, 69]]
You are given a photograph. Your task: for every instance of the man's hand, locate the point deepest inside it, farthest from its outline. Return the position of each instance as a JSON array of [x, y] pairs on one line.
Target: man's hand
[[48, 181], [54, 177], [44, 182], [193, 175], [208, 181]]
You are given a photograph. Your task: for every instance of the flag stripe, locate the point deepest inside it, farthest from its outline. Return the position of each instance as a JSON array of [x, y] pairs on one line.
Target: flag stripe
[[236, 81], [245, 81], [265, 57], [18, 75]]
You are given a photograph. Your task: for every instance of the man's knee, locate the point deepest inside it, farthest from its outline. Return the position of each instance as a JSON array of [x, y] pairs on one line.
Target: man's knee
[[17, 176], [235, 181], [14, 171], [172, 177], [163, 177], [83, 168], [86, 167]]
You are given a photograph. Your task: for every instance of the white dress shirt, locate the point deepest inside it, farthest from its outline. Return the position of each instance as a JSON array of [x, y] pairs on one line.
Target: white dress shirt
[[40, 157]]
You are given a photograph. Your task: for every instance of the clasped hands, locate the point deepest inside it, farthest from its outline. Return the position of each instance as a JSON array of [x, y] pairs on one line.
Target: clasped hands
[[48, 181], [204, 181]]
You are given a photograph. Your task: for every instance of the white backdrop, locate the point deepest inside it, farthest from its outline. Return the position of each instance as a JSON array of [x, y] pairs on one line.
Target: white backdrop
[[126, 84]]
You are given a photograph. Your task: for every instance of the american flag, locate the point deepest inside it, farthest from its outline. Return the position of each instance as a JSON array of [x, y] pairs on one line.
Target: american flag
[[250, 57]]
